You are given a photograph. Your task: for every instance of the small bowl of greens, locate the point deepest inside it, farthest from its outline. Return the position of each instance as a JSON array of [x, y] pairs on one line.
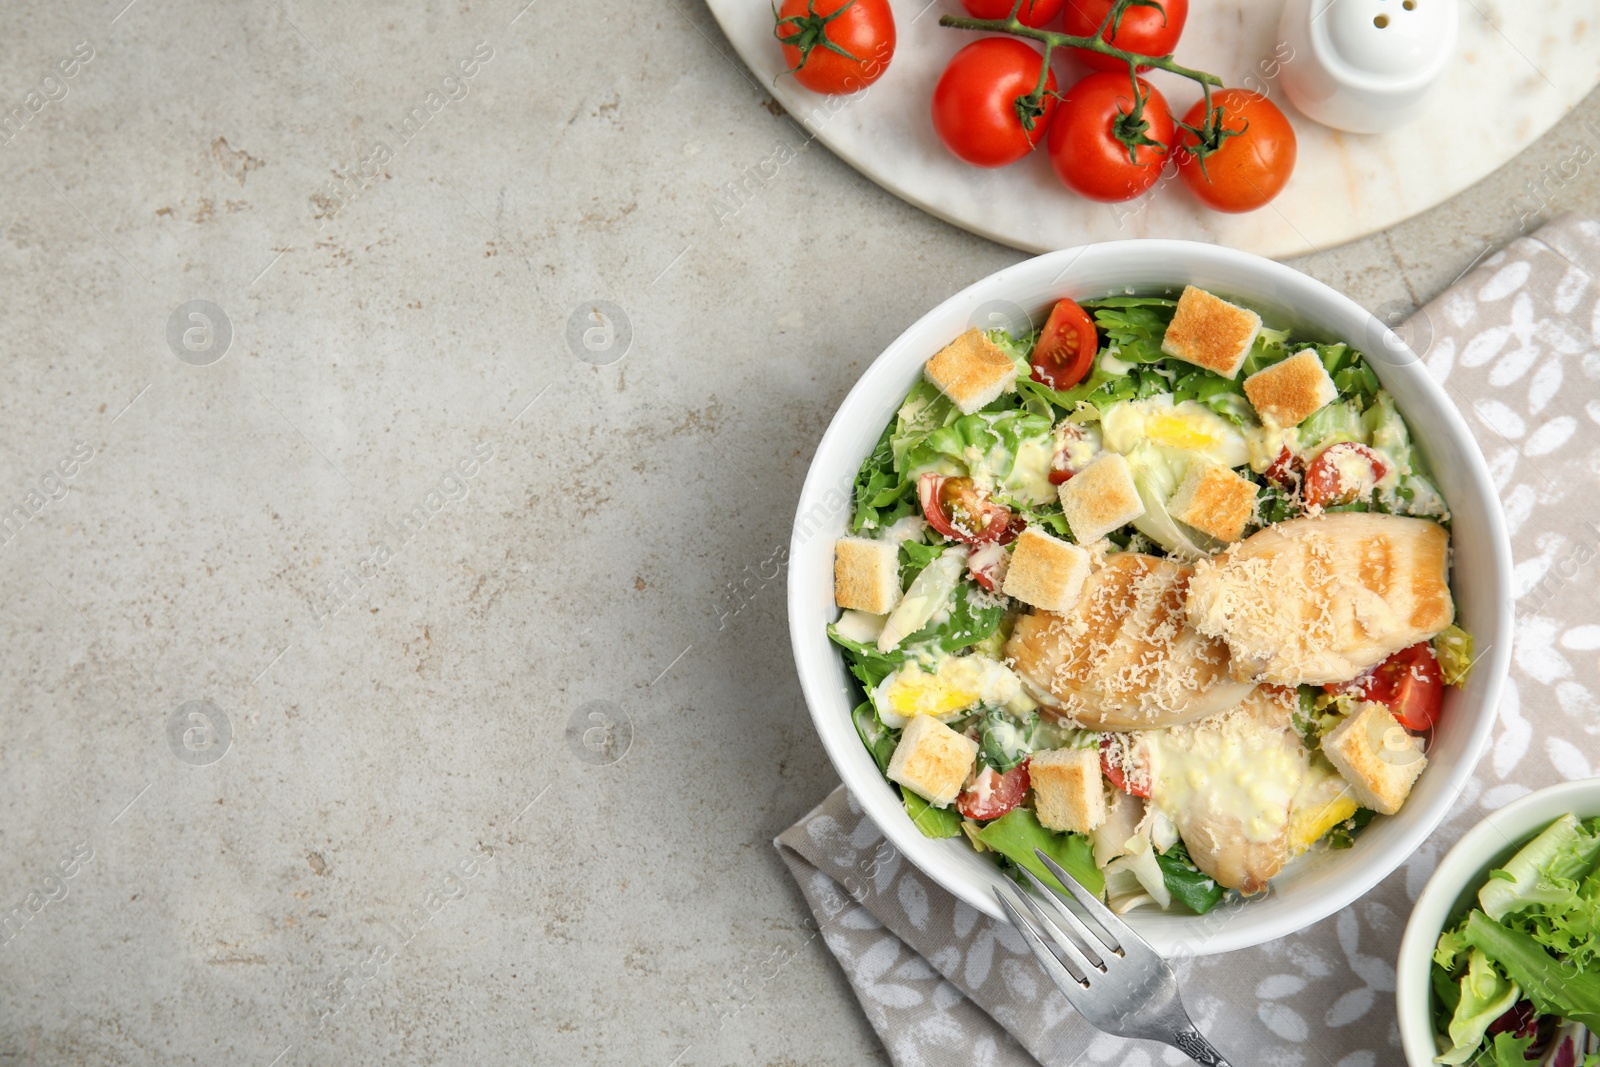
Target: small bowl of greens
[[1500, 964]]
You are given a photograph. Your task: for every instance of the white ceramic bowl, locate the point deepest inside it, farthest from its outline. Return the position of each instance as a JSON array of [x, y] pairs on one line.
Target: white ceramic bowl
[[1484, 847], [1322, 882]]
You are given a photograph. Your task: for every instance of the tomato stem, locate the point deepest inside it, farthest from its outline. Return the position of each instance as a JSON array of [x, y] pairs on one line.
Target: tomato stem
[[1052, 39], [809, 31]]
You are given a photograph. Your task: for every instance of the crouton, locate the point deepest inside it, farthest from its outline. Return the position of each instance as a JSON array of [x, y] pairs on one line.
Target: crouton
[[1287, 392], [866, 574], [1100, 498], [1045, 571], [1373, 752], [1210, 332], [932, 760], [1214, 500], [1068, 793], [972, 371]]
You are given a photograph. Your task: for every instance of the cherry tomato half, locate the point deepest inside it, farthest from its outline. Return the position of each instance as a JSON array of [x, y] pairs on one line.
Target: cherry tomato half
[[977, 108], [988, 564], [1145, 30], [1035, 13], [1112, 747], [1409, 683], [959, 510], [1341, 473], [1066, 348], [993, 794], [1084, 148], [811, 31], [1283, 470], [1252, 165]]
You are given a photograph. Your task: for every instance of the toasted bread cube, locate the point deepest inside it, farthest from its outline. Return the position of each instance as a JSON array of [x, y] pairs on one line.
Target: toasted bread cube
[[1100, 498], [932, 760], [1046, 572], [1214, 500], [1376, 756], [972, 371], [1209, 332], [1287, 392], [866, 574], [1068, 793]]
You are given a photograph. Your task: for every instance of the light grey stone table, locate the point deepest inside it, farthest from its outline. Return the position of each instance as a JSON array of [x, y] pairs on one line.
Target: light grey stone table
[[394, 659]]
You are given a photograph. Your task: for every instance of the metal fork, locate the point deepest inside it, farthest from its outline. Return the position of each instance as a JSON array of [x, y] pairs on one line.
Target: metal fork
[[1114, 978]]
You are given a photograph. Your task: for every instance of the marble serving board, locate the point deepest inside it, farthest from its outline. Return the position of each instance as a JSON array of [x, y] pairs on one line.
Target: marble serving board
[[1519, 67]]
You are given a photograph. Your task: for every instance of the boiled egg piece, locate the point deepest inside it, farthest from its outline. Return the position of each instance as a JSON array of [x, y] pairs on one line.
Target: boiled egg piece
[[949, 688], [1189, 427]]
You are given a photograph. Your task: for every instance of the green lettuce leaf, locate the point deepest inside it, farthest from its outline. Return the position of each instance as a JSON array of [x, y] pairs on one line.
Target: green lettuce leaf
[[879, 739], [1186, 882], [1545, 871], [1018, 832], [1486, 994], [1556, 987], [1009, 449], [933, 822]]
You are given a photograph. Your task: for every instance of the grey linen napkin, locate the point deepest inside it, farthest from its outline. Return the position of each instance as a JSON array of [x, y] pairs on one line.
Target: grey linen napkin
[[1517, 344]]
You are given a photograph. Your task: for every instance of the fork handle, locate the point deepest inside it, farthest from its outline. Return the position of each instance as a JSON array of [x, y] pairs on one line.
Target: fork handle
[[1194, 1045]]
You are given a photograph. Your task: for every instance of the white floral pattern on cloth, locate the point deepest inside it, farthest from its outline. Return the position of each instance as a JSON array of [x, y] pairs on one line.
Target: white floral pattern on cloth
[[1517, 345]]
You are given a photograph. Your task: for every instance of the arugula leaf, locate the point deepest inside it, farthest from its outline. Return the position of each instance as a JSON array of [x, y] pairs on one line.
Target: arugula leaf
[[1186, 882], [933, 822], [914, 556], [881, 494], [1018, 832], [865, 661]]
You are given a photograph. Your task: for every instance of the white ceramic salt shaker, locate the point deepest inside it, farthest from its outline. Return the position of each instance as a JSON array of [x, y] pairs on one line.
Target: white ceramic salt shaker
[[1366, 65]]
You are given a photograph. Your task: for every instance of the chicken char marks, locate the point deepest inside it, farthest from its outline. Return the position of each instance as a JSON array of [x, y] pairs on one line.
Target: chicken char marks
[[1321, 599], [1125, 658]]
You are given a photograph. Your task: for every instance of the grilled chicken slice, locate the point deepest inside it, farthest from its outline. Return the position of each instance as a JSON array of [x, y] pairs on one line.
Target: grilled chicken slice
[[1321, 599], [1124, 658], [1229, 784]]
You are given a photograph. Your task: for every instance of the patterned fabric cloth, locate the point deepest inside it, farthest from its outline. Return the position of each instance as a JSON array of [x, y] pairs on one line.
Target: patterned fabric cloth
[[1517, 345]]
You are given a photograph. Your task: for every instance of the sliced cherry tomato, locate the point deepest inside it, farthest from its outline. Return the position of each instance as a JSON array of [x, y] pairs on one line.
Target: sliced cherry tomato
[[836, 46], [988, 563], [1114, 745], [1342, 473], [1035, 13], [1085, 142], [1066, 348], [1252, 163], [979, 108], [957, 508], [1148, 31], [1063, 465], [1410, 684], [1282, 470], [993, 794]]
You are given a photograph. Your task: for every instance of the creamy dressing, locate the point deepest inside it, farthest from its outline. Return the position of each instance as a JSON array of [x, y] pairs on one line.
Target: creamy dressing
[[1221, 772]]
